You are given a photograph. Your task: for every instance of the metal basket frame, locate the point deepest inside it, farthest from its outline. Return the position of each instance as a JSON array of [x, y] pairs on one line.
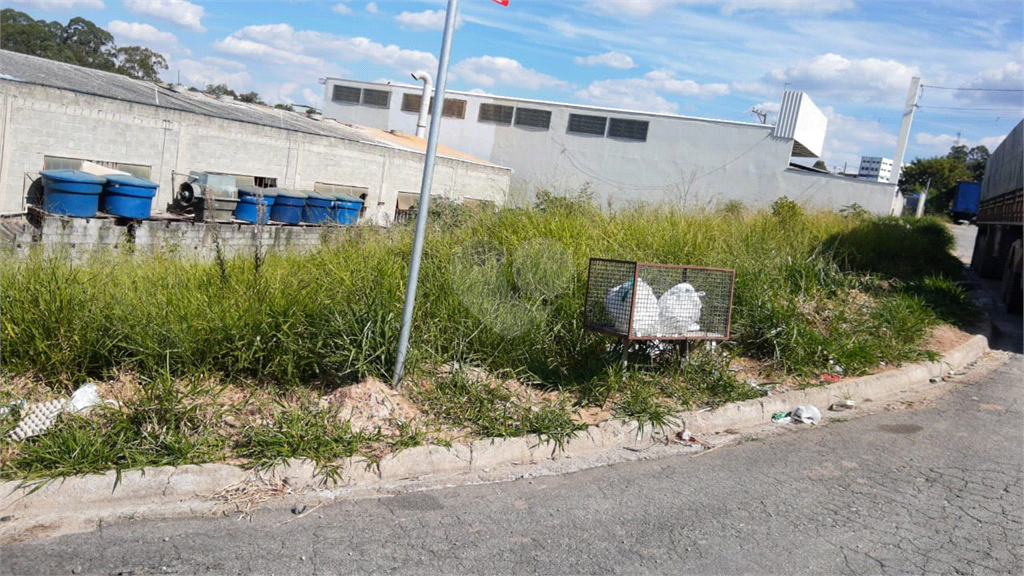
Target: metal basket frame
[[636, 277]]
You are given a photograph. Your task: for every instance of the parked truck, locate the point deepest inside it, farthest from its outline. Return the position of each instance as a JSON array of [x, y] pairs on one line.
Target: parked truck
[[999, 249], [966, 197]]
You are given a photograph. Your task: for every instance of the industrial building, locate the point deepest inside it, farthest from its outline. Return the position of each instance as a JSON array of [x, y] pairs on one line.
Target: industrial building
[[56, 115], [625, 156], [875, 168]]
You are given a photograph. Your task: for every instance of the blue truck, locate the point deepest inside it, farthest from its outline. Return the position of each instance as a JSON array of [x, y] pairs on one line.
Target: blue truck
[[966, 198]]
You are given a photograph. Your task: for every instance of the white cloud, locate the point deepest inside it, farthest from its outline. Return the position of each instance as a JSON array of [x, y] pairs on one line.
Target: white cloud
[[818, 7], [644, 8], [315, 51], [1009, 76], [372, 8], [492, 70], [312, 98], [429, 20], [341, 9], [611, 59], [178, 12], [56, 5], [145, 35], [646, 93], [992, 142], [848, 138], [939, 144], [859, 80], [199, 73]]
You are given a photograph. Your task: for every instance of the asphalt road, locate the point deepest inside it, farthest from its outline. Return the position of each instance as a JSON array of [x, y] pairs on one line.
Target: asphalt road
[[937, 488], [927, 487]]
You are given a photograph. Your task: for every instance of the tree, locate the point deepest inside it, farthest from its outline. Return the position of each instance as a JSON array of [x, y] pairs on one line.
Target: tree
[[940, 174], [219, 90], [285, 107], [977, 159], [92, 46], [820, 165], [80, 42], [251, 98], [37, 38], [140, 63]]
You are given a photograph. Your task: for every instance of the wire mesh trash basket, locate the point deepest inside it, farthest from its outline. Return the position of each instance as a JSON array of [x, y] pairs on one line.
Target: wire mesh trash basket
[[643, 301]]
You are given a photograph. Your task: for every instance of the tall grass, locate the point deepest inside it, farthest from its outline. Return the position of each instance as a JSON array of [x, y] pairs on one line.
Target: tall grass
[[332, 315]]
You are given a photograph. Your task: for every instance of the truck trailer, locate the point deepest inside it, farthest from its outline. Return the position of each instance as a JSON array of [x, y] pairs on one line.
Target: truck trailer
[[998, 249], [965, 202]]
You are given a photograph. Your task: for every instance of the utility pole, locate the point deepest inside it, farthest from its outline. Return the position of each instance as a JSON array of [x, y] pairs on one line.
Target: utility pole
[[760, 114], [922, 198], [908, 118]]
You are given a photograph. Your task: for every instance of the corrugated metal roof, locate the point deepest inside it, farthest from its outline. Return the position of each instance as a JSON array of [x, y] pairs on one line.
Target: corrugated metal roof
[[15, 67]]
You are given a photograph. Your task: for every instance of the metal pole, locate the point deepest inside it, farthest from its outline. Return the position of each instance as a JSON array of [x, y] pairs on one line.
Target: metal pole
[[428, 175], [908, 119]]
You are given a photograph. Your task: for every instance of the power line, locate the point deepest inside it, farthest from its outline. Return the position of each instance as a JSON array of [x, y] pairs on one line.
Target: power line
[[974, 89], [972, 109]]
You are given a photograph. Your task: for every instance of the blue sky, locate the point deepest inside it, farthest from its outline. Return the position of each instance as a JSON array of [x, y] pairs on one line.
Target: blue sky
[[713, 59]]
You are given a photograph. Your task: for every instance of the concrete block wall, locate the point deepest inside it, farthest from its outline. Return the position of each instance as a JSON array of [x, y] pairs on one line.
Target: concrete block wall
[[38, 121], [83, 237]]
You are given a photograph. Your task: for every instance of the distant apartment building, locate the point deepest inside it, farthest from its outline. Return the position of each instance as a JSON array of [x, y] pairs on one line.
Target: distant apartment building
[[875, 168], [625, 157]]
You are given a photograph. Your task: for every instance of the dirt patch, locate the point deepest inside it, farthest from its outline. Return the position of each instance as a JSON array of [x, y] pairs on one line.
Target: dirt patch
[[372, 405], [945, 337]]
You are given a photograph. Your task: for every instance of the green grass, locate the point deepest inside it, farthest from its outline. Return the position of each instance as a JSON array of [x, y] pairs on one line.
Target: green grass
[[168, 424], [491, 410], [814, 291]]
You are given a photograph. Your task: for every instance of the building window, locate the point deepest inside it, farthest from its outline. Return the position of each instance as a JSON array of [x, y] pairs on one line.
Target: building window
[[452, 108], [628, 129], [405, 208], [411, 102], [346, 94], [495, 113], [376, 98], [582, 124], [63, 163], [533, 118]]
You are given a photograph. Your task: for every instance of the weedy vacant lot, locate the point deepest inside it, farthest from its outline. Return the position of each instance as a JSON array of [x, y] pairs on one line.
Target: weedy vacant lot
[[249, 360]]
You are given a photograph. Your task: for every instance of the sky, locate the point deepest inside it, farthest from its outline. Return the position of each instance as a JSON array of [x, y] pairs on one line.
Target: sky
[[703, 58]]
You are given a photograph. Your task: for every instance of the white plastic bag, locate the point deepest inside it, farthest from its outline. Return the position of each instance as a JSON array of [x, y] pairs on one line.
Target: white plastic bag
[[645, 312], [807, 414], [83, 399], [679, 310]]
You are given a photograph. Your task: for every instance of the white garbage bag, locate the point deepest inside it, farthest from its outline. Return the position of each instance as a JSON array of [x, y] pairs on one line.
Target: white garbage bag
[[679, 310], [807, 414], [83, 399], [645, 312]]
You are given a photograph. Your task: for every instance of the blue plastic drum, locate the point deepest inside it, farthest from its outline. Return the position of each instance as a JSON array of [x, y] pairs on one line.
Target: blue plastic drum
[[318, 209], [346, 210], [128, 196], [71, 192], [288, 207]]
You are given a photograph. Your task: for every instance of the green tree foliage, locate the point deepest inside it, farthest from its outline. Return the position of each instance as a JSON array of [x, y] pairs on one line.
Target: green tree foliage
[[219, 90], [251, 98], [820, 165], [940, 175], [140, 63], [80, 42]]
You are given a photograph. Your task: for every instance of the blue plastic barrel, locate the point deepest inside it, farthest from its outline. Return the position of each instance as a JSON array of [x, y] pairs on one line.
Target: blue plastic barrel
[[256, 191], [318, 209], [346, 210], [71, 192], [288, 207], [253, 208], [128, 196]]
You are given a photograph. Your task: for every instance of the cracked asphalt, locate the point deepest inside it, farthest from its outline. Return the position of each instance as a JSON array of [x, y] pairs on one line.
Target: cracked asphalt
[[920, 487]]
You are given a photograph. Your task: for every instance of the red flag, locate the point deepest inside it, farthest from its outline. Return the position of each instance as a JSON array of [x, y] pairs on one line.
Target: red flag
[[502, 2]]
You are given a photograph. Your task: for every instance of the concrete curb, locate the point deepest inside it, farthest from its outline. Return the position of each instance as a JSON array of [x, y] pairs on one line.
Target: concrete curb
[[170, 491]]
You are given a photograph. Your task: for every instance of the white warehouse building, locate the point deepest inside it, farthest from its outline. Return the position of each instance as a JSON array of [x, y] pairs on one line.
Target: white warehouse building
[[875, 168], [625, 156], [56, 115]]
